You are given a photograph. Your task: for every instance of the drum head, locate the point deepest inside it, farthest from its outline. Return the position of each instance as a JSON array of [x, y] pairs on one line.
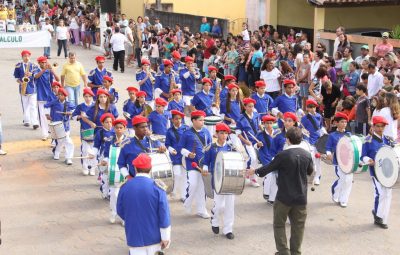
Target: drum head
[[218, 172], [348, 152], [212, 120], [320, 145], [162, 169], [387, 165]]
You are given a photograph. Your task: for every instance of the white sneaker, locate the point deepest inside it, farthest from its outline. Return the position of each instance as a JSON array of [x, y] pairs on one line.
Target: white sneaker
[[68, 162], [3, 152], [56, 156], [254, 183], [112, 219], [335, 200], [92, 172], [44, 138], [316, 181], [343, 205], [85, 172], [204, 215]]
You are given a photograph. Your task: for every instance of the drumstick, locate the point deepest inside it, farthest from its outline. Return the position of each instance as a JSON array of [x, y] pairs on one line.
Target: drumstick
[[196, 166], [86, 157], [63, 112], [254, 137]]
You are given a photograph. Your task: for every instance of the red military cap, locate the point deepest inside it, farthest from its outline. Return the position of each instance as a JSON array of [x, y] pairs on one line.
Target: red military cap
[[212, 68], [233, 85], [260, 84], [229, 77], [167, 62], [145, 61], [107, 78], [143, 161], [63, 91], [25, 52], [120, 121], [266, 118], [222, 127], [379, 120], [141, 94], [198, 113], [288, 81], [175, 54], [311, 102], [176, 91], [161, 101], [138, 119], [105, 116], [207, 80], [176, 112], [100, 58], [132, 89], [56, 83], [249, 100], [102, 92], [290, 115], [88, 91], [341, 115], [41, 59], [189, 59]]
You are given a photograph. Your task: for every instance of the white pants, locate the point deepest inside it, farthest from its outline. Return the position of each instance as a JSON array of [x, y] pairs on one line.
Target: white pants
[[67, 143], [180, 181], [29, 105], [187, 99], [223, 204], [383, 199], [270, 185], [104, 187], [86, 149], [253, 156], [131, 132], [195, 191], [317, 163], [42, 118], [114, 190], [341, 188], [147, 250]]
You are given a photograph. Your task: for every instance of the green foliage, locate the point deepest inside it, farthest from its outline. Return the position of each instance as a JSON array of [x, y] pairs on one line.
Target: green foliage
[[395, 34]]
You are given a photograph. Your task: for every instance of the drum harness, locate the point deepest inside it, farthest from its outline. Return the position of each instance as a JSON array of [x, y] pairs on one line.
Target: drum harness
[[251, 123]]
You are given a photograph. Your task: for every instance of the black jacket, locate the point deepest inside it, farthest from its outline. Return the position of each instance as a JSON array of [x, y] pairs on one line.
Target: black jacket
[[293, 165]]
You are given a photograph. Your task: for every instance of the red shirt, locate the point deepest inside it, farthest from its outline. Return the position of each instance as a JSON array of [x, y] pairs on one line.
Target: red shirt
[[210, 43]]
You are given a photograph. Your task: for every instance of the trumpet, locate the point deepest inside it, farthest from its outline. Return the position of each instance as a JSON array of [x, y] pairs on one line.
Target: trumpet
[[150, 75], [50, 66]]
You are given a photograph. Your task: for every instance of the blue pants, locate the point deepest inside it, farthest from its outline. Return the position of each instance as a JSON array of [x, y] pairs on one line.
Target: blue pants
[[73, 94]]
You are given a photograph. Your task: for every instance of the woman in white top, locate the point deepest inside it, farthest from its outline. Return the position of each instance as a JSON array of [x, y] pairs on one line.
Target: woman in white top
[[74, 27], [272, 78], [62, 37], [245, 33], [390, 110]]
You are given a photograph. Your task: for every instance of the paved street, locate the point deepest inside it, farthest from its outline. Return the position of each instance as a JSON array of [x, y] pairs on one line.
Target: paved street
[[49, 208]]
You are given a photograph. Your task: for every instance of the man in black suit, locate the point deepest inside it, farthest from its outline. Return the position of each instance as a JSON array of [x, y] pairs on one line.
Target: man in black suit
[[293, 166]]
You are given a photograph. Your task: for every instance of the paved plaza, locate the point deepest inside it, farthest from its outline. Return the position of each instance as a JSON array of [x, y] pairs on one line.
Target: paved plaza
[[48, 208]]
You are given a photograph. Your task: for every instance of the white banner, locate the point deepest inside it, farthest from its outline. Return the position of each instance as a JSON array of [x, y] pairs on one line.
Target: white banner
[[25, 40]]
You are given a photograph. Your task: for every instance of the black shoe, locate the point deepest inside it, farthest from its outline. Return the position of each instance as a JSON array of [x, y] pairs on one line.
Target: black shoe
[[230, 236], [122, 71], [26, 125], [379, 222], [270, 202], [266, 197], [215, 230], [115, 69], [35, 127], [374, 214]]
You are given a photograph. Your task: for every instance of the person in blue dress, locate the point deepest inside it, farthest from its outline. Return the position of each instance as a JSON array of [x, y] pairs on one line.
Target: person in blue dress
[[263, 100], [159, 119], [95, 77], [108, 86], [176, 103], [131, 109], [146, 78], [203, 100]]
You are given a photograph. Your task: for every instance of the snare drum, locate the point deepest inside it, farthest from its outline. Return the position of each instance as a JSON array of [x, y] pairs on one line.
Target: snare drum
[[348, 153], [162, 169], [387, 165], [212, 120], [88, 134], [57, 130], [114, 174], [160, 138], [229, 173]]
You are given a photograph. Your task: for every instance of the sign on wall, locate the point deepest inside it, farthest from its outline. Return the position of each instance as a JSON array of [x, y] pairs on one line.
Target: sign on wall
[[25, 40]]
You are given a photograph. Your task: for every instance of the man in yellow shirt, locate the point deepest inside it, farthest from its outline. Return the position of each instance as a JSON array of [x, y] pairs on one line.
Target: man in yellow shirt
[[71, 75], [3, 12]]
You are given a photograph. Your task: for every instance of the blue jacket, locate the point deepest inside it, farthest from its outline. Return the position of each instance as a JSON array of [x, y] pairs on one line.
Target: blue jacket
[[132, 110], [173, 105], [203, 101], [307, 123], [19, 73], [189, 83], [371, 146], [235, 110], [243, 124], [78, 110], [159, 123], [172, 140], [147, 86], [265, 153], [263, 104], [96, 78], [163, 82], [55, 107], [96, 119], [114, 95], [43, 85], [102, 137]]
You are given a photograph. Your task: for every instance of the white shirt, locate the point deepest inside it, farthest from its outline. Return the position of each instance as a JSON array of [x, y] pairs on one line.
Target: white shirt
[[391, 128], [375, 83], [155, 53], [48, 28], [245, 35], [61, 33], [117, 41], [11, 23], [271, 79], [314, 67], [73, 23]]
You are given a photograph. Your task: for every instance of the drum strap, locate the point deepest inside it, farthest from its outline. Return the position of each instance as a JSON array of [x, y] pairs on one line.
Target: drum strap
[[377, 138], [138, 143], [250, 122], [203, 141], [313, 122], [176, 134], [267, 141]]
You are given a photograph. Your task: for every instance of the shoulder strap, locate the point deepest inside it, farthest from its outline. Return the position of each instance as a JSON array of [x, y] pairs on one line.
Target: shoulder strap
[[268, 142], [313, 122], [144, 149], [250, 122], [176, 133], [203, 142]]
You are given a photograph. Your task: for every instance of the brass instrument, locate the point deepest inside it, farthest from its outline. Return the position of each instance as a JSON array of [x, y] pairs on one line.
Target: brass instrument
[[217, 93], [25, 80], [172, 84], [150, 75], [147, 110]]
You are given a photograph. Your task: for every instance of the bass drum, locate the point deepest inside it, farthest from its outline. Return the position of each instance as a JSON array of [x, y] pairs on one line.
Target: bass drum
[[162, 170], [387, 165], [348, 153], [206, 179], [320, 145], [229, 173]]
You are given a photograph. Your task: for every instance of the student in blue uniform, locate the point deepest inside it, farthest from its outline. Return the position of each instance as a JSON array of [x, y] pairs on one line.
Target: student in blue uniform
[[143, 205], [159, 119], [193, 143], [146, 77], [383, 195], [248, 126], [313, 123], [176, 62], [263, 100], [189, 76], [223, 204], [341, 188], [176, 103], [96, 75], [115, 178], [162, 85], [131, 109], [216, 82], [88, 165], [229, 79], [172, 139], [231, 106], [266, 149], [44, 76], [140, 143], [102, 105], [22, 70], [108, 86], [61, 110], [203, 100]]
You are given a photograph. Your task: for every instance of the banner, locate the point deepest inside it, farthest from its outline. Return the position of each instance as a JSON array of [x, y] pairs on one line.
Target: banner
[[25, 40]]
